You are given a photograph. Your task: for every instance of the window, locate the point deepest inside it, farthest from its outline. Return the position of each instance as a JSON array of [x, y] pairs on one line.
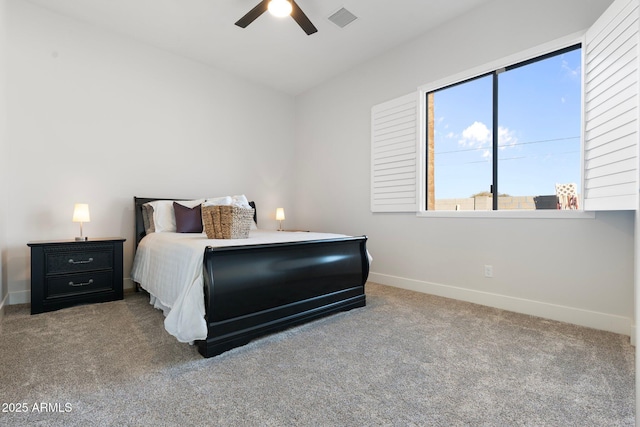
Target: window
[[508, 149], [509, 139]]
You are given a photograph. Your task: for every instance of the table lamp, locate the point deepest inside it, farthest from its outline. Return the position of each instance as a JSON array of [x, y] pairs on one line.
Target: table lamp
[[280, 217], [81, 214]]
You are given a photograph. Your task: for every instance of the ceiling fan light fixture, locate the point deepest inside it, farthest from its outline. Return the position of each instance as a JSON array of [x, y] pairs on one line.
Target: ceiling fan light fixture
[[280, 8]]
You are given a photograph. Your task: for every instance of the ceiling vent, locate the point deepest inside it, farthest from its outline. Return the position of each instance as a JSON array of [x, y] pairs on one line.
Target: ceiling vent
[[342, 18]]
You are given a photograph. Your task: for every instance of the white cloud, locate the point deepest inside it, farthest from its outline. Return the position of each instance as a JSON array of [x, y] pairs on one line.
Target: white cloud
[[572, 73], [506, 138], [477, 135]]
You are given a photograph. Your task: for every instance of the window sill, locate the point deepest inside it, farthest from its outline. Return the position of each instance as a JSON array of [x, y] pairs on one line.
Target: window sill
[[541, 214]]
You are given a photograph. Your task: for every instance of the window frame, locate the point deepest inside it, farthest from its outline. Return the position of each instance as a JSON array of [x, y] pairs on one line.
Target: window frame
[[511, 61]]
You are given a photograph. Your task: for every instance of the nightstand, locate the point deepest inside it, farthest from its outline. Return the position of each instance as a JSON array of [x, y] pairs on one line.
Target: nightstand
[[70, 272]]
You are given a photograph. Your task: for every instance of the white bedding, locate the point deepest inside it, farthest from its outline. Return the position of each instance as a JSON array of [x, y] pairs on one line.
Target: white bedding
[[169, 266]]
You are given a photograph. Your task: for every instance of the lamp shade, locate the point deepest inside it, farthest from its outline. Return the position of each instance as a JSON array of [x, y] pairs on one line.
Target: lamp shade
[[280, 8], [81, 213], [280, 214]]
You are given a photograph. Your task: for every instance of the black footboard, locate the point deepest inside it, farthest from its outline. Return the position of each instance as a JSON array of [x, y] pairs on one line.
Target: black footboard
[[259, 289]]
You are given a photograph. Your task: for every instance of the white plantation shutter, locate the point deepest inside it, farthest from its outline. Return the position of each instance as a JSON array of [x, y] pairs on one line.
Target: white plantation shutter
[[394, 155], [611, 109]]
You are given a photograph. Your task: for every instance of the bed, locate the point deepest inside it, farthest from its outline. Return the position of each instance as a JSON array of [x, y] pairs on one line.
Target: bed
[[239, 289]]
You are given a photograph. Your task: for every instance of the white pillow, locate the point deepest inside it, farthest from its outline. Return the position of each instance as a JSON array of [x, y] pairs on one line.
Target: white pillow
[[164, 217]]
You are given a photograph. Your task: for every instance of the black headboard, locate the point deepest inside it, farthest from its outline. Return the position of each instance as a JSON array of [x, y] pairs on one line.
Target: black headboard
[[139, 201]]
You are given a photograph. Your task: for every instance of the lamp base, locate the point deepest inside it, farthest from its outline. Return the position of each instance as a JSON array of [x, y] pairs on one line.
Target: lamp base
[[82, 239]]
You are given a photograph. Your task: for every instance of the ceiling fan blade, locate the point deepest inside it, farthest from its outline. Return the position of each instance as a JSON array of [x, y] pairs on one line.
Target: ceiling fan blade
[[302, 19], [253, 14]]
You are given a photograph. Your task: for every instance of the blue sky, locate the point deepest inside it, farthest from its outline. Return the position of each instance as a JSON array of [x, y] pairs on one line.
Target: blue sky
[[539, 130]]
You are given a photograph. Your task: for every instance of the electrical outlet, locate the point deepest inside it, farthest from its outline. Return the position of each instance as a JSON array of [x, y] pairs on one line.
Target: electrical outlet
[[488, 270]]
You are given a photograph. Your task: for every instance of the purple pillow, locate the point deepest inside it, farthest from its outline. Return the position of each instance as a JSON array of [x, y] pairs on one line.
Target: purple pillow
[[188, 220]]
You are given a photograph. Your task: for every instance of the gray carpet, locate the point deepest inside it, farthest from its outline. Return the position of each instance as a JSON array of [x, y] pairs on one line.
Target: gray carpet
[[405, 359]]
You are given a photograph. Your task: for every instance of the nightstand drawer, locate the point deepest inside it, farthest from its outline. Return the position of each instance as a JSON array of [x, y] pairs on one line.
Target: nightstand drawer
[[75, 284], [71, 262]]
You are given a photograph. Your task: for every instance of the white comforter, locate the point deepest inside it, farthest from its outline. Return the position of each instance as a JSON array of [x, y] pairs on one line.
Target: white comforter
[[169, 267]]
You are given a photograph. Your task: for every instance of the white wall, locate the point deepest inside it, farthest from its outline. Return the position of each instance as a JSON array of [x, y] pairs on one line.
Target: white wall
[[98, 118], [576, 270]]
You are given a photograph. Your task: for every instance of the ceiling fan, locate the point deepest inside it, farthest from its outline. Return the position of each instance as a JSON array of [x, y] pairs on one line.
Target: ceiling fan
[[279, 8]]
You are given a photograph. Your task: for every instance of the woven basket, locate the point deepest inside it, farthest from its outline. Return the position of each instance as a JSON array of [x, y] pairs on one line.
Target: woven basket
[[208, 215], [226, 222]]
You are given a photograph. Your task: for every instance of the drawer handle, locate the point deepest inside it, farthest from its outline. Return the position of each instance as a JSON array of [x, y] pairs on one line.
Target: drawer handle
[[71, 261], [81, 283]]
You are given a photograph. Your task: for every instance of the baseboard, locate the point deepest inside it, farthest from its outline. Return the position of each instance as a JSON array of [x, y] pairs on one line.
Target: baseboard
[[19, 297], [591, 319], [3, 304]]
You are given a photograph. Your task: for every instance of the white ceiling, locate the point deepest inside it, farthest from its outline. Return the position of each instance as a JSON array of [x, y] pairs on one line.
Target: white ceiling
[[273, 51]]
